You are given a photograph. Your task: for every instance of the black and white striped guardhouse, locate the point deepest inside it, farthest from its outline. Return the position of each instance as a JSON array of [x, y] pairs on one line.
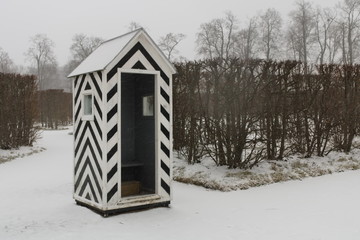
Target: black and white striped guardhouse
[[122, 101]]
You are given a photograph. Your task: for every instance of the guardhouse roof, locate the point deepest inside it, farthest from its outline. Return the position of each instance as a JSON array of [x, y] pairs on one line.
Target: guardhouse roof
[[108, 50]]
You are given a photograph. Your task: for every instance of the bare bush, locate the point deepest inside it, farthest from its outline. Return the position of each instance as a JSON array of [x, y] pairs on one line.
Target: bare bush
[[55, 107], [239, 112]]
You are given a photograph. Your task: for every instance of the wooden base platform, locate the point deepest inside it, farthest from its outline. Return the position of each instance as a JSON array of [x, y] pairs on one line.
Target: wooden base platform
[[108, 213]]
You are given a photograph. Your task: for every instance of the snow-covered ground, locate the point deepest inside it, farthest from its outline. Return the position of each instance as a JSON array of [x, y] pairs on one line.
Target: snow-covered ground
[[36, 203]]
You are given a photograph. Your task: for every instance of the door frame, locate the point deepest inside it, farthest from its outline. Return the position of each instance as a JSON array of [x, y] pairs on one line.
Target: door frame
[[156, 75]]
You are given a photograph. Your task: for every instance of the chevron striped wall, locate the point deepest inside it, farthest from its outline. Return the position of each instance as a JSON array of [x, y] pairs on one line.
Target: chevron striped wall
[[88, 136], [97, 166]]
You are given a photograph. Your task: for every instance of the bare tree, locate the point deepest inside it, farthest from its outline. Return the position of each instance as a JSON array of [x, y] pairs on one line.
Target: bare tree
[[6, 64], [216, 38], [50, 75], [324, 21], [65, 71], [334, 42], [41, 54], [349, 25], [169, 42], [301, 29], [270, 33], [83, 45], [246, 40], [216, 42], [133, 26], [293, 45]]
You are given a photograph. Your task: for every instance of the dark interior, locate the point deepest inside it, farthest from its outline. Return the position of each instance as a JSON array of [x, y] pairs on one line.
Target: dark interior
[[137, 133]]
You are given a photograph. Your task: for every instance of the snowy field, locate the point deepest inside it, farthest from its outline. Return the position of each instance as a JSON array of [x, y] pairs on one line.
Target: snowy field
[[36, 203]]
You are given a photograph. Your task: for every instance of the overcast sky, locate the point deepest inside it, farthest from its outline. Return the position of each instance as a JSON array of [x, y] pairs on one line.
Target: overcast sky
[[61, 20]]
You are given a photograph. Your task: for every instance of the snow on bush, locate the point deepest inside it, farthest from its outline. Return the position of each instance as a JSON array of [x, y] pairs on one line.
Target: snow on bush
[[295, 167]]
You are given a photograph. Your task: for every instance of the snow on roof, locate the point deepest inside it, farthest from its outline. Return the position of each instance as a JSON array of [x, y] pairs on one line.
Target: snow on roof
[[104, 54]]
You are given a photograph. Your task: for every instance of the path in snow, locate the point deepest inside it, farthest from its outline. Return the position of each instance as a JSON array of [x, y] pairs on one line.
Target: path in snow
[[36, 203]]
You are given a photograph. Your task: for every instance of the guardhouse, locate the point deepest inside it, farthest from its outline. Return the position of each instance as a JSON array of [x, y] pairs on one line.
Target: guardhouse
[[122, 101]]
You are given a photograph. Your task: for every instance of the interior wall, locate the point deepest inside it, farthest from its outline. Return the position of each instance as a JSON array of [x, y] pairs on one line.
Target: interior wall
[[137, 131]]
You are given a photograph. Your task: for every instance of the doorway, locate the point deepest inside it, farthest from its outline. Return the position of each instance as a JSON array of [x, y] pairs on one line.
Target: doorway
[[138, 163]]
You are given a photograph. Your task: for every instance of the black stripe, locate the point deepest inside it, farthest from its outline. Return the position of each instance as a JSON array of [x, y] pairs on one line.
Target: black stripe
[[87, 86], [98, 127], [112, 152], [112, 192], [100, 74], [111, 173], [112, 112], [98, 90], [165, 95], [166, 78], [81, 138], [154, 64], [88, 126], [165, 186], [88, 145], [95, 139], [165, 168], [79, 89], [77, 165], [98, 108], [111, 132], [88, 196], [96, 160], [165, 113], [87, 181], [165, 131], [81, 174], [112, 92], [165, 150], [138, 65], [83, 186], [122, 61], [129, 54], [76, 81], [82, 133], [77, 112], [81, 156], [79, 161], [77, 129]]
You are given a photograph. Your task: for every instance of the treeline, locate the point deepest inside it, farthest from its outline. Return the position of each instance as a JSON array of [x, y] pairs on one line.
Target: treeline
[[23, 109], [239, 112]]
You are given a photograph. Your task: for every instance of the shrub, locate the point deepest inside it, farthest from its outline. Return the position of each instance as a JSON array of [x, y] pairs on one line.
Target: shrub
[[18, 110]]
